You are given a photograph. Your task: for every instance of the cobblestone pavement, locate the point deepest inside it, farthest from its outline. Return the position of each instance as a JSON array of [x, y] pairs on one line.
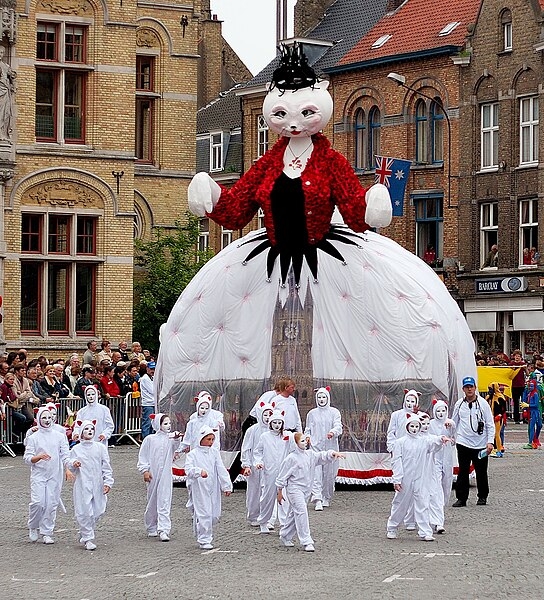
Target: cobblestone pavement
[[491, 551]]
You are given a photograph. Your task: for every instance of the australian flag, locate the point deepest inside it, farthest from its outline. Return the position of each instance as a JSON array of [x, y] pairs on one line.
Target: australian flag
[[393, 173]]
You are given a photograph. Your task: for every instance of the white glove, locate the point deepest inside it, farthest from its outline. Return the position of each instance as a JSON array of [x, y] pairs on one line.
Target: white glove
[[379, 210], [203, 194]]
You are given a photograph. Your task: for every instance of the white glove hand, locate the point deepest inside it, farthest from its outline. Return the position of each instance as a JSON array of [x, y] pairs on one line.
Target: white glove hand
[[203, 194], [379, 210]]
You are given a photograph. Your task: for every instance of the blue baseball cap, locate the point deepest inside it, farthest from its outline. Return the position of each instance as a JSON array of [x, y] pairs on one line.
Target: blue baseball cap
[[469, 381], [151, 365]]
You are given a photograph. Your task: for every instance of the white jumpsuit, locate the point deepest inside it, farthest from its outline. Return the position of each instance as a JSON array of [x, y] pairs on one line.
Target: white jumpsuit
[[443, 471], [289, 406], [251, 439], [205, 493], [95, 472], [321, 421], [270, 452], [46, 477], [213, 419], [156, 456], [295, 478], [104, 423], [408, 462]]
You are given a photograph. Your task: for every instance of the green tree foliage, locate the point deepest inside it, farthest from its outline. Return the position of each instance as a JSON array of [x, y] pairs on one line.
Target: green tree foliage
[[166, 265]]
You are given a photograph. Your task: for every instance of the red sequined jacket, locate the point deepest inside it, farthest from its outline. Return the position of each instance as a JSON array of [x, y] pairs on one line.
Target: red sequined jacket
[[327, 180]]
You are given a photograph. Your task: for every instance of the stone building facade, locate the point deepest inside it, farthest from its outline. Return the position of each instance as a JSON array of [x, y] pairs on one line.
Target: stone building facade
[[102, 151]]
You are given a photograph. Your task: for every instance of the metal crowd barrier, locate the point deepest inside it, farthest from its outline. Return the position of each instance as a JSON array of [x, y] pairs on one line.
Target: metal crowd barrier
[[6, 431]]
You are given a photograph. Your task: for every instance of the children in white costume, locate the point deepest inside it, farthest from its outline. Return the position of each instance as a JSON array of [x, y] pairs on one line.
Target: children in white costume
[[397, 422], [324, 426], [443, 465], [94, 411], [207, 477], [155, 458], [408, 462], [90, 463], [294, 482], [47, 454], [252, 474], [268, 456], [204, 416], [53, 409]]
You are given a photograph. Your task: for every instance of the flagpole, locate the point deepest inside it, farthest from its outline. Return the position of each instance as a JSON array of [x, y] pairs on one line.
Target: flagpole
[[401, 81]]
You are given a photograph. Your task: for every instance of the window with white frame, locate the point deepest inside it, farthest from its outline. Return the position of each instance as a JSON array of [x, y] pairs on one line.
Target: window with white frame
[[216, 151], [528, 130], [61, 81], [528, 232], [260, 218], [506, 26], [58, 276], [489, 232], [204, 234], [226, 237], [262, 136], [489, 135]]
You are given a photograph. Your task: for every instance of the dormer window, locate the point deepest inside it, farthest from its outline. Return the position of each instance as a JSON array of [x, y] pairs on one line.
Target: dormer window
[[448, 28], [381, 41]]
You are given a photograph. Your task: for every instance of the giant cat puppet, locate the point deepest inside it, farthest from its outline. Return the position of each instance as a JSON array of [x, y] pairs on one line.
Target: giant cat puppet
[[379, 312]]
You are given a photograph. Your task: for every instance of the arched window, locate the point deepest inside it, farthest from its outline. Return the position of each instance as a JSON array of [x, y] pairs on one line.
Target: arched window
[[374, 125], [506, 31], [422, 133], [360, 139], [437, 131]]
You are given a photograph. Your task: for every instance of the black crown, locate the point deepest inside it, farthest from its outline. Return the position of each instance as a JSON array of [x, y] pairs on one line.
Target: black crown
[[294, 72]]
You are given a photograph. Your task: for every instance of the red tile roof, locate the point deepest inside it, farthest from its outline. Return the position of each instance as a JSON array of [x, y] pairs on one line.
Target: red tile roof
[[414, 27]]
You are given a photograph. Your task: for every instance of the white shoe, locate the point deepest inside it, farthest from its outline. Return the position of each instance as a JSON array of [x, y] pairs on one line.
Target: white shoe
[[152, 534], [287, 543], [319, 505], [264, 529], [164, 537], [270, 526], [254, 524], [206, 546], [309, 548], [326, 504], [391, 535], [33, 535], [411, 527], [90, 545], [428, 538], [47, 539], [440, 529]]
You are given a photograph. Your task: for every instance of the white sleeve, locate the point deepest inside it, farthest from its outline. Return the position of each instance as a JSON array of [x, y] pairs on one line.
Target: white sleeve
[[396, 461], [247, 452], [336, 428], [192, 471], [143, 457], [108, 424], [224, 478], [107, 471]]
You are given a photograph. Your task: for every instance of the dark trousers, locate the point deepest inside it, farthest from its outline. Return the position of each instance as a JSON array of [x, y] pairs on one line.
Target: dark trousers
[[517, 393], [465, 456]]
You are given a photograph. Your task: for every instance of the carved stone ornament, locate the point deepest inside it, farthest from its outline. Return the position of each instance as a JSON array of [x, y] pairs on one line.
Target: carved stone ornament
[[9, 24], [67, 7], [146, 38], [62, 193]]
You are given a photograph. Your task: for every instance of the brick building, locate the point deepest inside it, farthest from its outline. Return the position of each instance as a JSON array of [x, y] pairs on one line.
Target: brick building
[[102, 150], [501, 182]]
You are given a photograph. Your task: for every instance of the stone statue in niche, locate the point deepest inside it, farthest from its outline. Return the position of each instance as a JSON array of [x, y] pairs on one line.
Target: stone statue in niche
[[7, 96]]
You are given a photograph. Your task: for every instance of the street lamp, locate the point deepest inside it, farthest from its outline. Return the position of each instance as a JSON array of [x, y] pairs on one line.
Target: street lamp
[[400, 80]]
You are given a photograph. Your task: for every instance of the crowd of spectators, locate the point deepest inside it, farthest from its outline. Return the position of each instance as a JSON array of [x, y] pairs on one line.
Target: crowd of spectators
[[500, 359], [27, 383]]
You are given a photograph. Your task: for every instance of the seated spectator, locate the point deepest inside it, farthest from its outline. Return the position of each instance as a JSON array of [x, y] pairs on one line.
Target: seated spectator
[[535, 256], [87, 378], [136, 352], [51, 385], [59, 375], [115, 357], [35, 386], [109, 386], [22, 417], [105, 353], [526, 257], [4, 368], [22, 387], [123, 351], [71, 375], [90, 354], [430, 255]]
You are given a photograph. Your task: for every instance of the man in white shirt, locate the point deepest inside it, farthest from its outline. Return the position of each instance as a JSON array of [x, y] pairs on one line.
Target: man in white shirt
[[147, 398], [475, 432]]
